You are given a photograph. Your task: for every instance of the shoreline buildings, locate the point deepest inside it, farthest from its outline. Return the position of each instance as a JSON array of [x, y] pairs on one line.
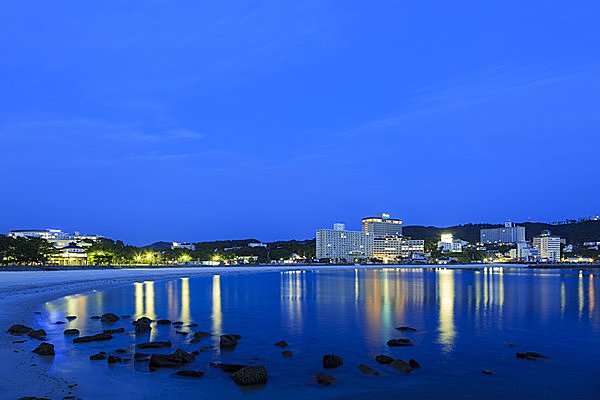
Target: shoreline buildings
[[510, 233], [72, 249], [548, 246], [381, 238]]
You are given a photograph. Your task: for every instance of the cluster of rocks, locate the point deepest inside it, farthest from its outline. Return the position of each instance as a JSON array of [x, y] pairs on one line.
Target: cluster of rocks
[[243, 375]]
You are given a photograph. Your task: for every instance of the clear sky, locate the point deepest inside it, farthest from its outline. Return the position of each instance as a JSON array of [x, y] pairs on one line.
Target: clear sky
[[202, 120]]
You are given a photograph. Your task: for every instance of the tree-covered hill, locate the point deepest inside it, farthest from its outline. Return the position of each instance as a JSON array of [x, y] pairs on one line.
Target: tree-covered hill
[[575, 233]]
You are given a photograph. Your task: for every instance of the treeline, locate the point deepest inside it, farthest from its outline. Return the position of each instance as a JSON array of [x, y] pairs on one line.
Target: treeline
[[575, 233], [25, 251], [231, 249]]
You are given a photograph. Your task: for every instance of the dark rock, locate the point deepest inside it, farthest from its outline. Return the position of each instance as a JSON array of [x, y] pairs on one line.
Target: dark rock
[[487, 372], [414, 363], [99, 337], [383, 359], [112, 331], [180, 357], [177, 323], [365, 369], [18, 329], [406, 329], [198, 336], [287, 354], [163, 322], [228, 341], [153, 345], [142, 325], [60, 323], [531, 355], [332, 361], [253, 375], [114, 359], [44, 349], [192, 325], [121, 351], [71, 331], [281, 343], [190, 373], [196, 352], [110, 318], [98, 356], [229, 368], [324, 379], [401, 365], [399, 342], [19, 341], [140, 355], [71, 317], [182, 333], [37, 334]]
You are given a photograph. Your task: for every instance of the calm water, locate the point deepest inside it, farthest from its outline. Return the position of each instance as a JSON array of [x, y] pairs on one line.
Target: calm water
[[466, 320]]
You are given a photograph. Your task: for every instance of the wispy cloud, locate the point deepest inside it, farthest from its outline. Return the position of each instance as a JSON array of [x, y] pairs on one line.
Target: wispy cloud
[[490, 86]]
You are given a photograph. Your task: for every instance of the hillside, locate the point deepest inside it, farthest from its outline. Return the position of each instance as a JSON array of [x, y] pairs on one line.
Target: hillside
[[575, 233]]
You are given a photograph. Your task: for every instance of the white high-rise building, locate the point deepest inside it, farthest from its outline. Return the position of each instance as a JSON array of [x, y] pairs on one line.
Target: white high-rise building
[[510, 233], [340, 245], [548, 246]]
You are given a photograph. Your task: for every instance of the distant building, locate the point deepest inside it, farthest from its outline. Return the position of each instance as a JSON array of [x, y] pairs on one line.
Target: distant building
[[382, 225], [254, 244], [48, 234], [548, 246], [71, 248], [508, 234], [524, 252], [447, 243], [393, 248], [183, 245], [591, 245], [340, 245]]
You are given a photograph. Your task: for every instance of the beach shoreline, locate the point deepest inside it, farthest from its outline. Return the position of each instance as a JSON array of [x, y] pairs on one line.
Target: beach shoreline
[[22, 293]]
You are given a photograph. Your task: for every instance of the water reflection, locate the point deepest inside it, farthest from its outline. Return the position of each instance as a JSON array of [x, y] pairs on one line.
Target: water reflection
[[446, 308], [217, 313], [293, 289], [185, 301]]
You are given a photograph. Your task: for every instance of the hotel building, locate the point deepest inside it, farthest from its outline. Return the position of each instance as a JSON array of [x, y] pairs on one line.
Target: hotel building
[[510, 233], [548, 246], [340, 245], [382, 225], [381, 238], [394, 248]]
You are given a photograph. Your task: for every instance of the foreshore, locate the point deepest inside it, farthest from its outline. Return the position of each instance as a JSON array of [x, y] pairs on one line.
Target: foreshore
[[22, 293]]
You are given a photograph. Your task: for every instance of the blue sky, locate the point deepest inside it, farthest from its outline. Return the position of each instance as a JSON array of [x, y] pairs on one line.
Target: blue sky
[[157, 120]]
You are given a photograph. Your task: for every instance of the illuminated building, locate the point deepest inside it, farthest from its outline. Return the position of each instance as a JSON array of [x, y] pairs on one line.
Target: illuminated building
[[548, 246], [510, 233], [393, 248], [447, 243], [340, 245], [183, 245], [382, 225], [71, 248]]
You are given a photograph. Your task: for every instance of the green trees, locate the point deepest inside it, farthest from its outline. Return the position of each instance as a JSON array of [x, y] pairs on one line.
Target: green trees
[[25, 251]]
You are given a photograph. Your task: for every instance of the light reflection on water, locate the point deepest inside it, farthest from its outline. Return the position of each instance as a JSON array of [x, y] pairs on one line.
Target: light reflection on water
[[464, 321]]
